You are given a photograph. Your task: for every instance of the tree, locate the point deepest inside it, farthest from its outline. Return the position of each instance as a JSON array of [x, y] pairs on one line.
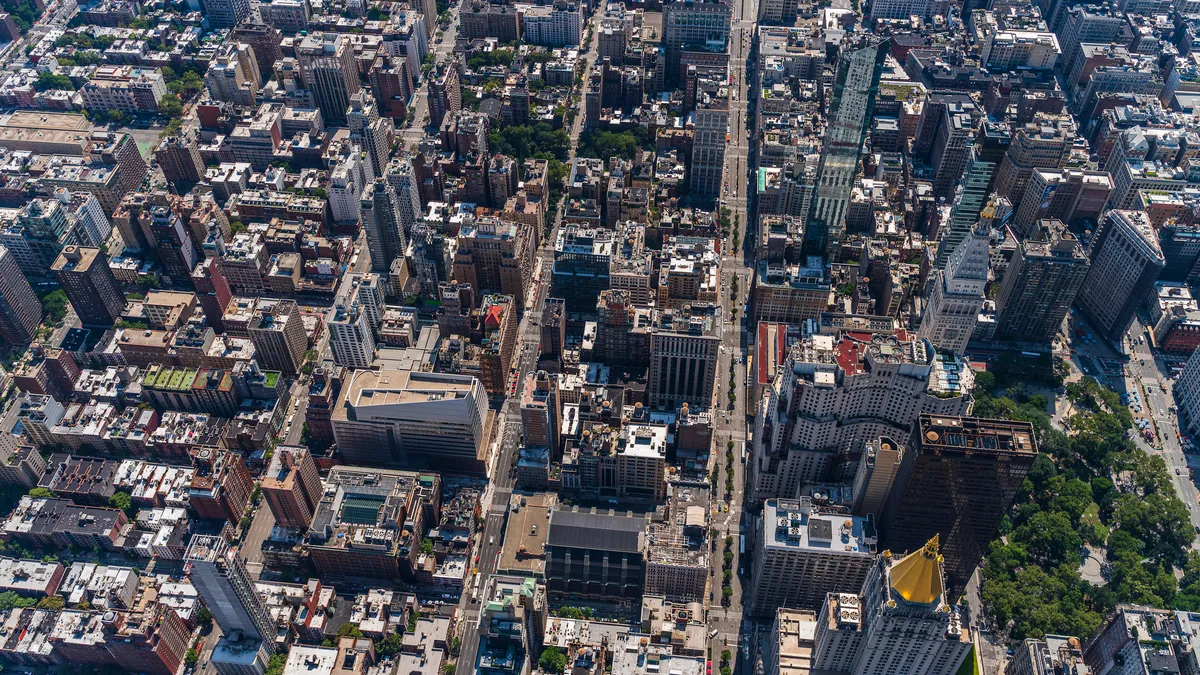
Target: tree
[[426, 546], [123, 501], [276, 665], [553, 660], [170, 107], [10, 599], [192, 657], [119, 117], [349, 630], [204, 617], [51, 602], [41, 493], [726, 655], [390, 645], [48, 80]]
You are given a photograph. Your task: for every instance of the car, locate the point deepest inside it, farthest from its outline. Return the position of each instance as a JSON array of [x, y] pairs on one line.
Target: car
[[491, 541], [713, 633]]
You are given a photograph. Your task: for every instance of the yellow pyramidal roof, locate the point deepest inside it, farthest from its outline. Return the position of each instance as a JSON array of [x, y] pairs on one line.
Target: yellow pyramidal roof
[[918, 576]]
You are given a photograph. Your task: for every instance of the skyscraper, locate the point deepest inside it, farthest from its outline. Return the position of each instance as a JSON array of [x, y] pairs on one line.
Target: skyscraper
[[902, 624], [381, 218], [292, 487], [711, 134], [408, 192], [540, 410], [1040, 284], [1126, 261], [20, 311], [90, 285], [694, 25], [364, 122], [854, 92], [327, 64], [957, 482], [957, 295], [228, 590], [226, 13]]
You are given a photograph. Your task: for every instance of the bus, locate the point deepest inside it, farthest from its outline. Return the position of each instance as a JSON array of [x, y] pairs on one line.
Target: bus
[[741, 544]]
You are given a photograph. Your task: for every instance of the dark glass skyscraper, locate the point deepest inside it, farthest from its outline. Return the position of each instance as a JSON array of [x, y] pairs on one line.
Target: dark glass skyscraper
[[854, 92]]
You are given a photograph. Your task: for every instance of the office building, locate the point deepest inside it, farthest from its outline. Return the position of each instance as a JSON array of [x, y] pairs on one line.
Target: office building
[[976, 199], [819, 406], [958, 293], [327, 65], [1126, 261], [541, 410], [856, 87], [409, 418], [684, 346], [382, 220], [582, 258], [804, 553], [957, 482], [89, 284], [20, 309], [693, 25], [901, 624], [495, 256], [226, 13], [369, 522], [350, 337], [180, 161], [596, 555], [1187, 393], [277, 331], [778, 12], [1044, 143], [1073, 196], [556, 25], [711, 117], [373, 131], [1040, 285], [292, 487], [789, 646], [1049, 655], [227, 589]]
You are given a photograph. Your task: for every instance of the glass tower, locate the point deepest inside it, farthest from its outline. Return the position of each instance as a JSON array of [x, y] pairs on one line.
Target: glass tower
[[854, 92]]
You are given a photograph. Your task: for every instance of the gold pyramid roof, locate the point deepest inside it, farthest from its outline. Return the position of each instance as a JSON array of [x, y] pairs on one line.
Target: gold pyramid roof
[[918, 576]]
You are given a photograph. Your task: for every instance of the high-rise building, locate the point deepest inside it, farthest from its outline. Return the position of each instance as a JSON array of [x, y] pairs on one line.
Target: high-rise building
[[711, 136], [264, 40], [1074, 196], [855, 89], [683, 355], [444, 94], [957, 482], [596, 555], [495, 256], [408, 190], [1040, 284], [540, 410], [90, 286], [778, 12], [819, 406], [20, 310], [952, 146], [277, 331], [901, 624], [226, 13], [953, 308], [428, 9], [327, 65], [1126, 261], [350, 336], [227, 589], [1044, 143], [382, 221], [804, 553], [362, 117], [984, 157], [292, 487], [180, 162], [693, 25]]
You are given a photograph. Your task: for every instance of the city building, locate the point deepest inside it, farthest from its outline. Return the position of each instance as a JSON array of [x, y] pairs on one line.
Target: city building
[[1040, 284], [1126, 261], [381, 219], [556, 25], [327, 64], [958, 293], [855, 90], [693, 25], [684, 346], [957, 482], [788, 649], [1047, 656], [226, 13], [804, 553], [901, 623], [277, 330], [89, 284], [711, 125], [596, 555], [227, 589], [20, 309], [292, 487], [409, 418]]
